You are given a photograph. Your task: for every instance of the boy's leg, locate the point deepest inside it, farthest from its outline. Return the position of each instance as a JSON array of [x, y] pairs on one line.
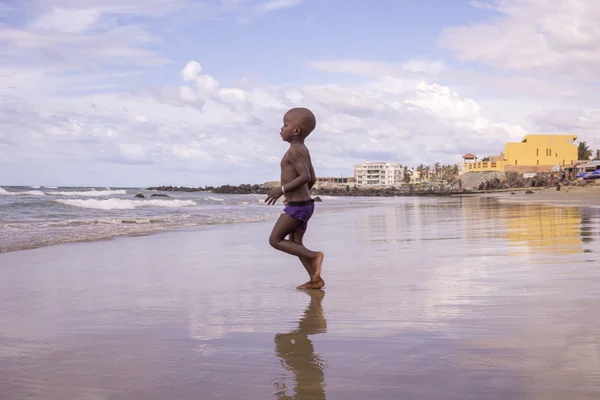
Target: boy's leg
[[313, 269], [296, 236], [284, 226]]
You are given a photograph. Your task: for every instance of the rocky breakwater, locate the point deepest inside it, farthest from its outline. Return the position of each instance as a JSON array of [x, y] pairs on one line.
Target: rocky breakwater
[[356, 192], [382, 192], [494, 180], [225, 189]]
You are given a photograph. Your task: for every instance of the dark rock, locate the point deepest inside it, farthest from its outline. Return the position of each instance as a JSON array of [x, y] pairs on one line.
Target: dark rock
[[529, 192], [341, 191], [512, 192], [318, 199], [140, 196], [125, 221]]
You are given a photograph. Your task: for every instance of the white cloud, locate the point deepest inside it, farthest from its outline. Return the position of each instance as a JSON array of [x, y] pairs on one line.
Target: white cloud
[[134, 152], [276, 5], [411, 69], [111, 47], [235, 131], [558, 37], [67, 20], [91, 34]]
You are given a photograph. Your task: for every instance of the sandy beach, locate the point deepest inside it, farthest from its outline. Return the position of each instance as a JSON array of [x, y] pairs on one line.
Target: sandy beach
[[569, 196], [462, 298]]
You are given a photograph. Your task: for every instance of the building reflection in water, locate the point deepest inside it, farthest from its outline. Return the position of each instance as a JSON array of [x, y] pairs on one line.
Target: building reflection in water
[[589, 218], [539, 228], [296, 353], [544, 228]]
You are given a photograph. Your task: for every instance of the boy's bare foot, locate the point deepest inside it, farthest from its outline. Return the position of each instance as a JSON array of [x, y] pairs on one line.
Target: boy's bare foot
[[316, 266], [312, 284]]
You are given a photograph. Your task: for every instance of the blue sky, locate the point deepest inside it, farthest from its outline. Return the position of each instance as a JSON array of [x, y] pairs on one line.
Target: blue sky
[[191, 92]]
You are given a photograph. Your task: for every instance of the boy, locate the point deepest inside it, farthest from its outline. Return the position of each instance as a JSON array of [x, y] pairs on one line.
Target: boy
[[297, 178]]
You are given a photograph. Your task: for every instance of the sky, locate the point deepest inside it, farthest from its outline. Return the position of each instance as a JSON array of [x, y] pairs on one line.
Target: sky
[[192, 92]]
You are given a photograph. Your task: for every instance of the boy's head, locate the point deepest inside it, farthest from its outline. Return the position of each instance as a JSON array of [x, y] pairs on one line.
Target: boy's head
[[298, 123]]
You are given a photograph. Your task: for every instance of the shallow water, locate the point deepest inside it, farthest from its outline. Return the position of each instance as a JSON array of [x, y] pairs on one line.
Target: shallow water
[[32, 217], [425, 299]]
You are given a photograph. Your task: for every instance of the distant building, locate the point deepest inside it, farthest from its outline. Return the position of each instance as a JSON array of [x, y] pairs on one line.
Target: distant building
[[378, 174], [535, 153], [415, 176], [464, 166], [334, 182]]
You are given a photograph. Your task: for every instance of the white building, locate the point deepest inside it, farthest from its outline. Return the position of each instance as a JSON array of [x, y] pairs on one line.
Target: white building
[[378, 174]]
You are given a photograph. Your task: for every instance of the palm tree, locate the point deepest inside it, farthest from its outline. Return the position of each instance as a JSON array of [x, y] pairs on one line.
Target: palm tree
[[438, 168], [448, 174], [427, 169], [583, 151], [420, 170], [406, 175]]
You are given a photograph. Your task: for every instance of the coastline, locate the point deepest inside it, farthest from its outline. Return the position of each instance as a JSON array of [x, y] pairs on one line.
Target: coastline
[[322, 191], [567, 196], [126, 226]]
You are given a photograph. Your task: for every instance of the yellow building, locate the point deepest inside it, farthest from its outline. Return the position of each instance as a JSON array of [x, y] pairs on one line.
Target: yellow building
[[470, 163], [535, 153]]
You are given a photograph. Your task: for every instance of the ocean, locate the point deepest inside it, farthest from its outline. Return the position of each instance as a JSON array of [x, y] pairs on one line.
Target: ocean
[[34, 216]]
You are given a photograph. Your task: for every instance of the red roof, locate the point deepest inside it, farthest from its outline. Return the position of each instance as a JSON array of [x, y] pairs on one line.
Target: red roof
[[469, 156]]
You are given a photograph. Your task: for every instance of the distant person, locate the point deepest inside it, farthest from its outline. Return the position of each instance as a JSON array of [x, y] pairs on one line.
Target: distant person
[[297, 178]]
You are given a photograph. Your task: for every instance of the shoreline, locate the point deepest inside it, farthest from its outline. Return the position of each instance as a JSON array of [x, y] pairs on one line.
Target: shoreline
[[569, 196], [185, 228], [323, 191]]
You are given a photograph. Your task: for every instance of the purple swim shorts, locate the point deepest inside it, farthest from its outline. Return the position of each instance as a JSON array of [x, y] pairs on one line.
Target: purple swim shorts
[[300, 210]]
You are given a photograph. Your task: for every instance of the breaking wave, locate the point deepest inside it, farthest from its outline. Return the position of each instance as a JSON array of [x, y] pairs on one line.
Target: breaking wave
[[122, 204], [90, 193], [26, 193]]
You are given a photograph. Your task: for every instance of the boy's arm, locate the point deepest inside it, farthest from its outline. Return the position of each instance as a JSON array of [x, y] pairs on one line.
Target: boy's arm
[[297, 160], [313, 178]]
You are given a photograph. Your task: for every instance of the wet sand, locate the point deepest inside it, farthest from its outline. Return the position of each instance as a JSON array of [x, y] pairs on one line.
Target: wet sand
[[440, 299], [570, 196]]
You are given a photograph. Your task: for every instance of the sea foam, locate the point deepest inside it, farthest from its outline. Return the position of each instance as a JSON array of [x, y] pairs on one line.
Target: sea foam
[[123, 204], [27, 193], [90, 193]]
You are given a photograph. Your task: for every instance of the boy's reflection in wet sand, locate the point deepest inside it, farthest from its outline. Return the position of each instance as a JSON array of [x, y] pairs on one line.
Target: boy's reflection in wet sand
[[296, 352]]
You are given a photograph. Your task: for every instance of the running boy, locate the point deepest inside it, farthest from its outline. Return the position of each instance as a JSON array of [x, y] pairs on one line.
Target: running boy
[[297, 178]]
